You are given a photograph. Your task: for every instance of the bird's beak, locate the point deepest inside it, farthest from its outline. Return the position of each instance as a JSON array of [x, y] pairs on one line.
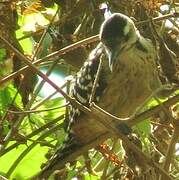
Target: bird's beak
[[113, 55]]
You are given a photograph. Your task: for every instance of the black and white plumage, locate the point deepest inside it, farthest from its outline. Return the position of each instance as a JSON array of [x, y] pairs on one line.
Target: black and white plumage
[[128, 77]]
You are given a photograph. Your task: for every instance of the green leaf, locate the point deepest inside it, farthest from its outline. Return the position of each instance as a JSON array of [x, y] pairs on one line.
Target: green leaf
[[29, 166], [32, 21], [91, 177], [53, 103], [144, 127], [45, 46], [26, 44], [5, 98], [7, 95], [2, 54]]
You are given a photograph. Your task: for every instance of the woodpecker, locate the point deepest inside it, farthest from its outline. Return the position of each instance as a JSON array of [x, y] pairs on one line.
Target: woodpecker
[[127, 78]]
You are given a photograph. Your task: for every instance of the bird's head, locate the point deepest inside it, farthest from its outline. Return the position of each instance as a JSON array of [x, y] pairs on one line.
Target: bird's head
[[117, 34]]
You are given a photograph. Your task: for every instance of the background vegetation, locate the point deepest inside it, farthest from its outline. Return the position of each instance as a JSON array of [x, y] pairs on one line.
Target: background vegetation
[[46, 35]]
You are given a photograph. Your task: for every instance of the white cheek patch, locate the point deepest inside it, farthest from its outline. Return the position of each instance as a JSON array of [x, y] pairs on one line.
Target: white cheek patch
[[131, 31], [126, 28]]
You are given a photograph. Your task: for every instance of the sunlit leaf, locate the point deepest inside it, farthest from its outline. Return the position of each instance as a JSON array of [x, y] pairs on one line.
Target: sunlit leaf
[[144, 127], [29, 166], [33, 21], [91, 177], [26, 44], [5, 98], [2, 53]]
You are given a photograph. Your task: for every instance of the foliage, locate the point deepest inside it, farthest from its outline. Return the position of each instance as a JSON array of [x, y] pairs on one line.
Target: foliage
[[31, 124]]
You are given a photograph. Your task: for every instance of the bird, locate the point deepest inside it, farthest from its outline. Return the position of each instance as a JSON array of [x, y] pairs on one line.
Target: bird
[[128, 76]]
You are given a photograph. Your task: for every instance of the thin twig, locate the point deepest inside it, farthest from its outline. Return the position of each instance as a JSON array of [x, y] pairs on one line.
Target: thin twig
[[52, 55], [79, 151], [162, 125], [114, 129], [3, 178], [67, 79], [29, 148], [43, 76], [38, 111], [171, 149], [18, 122], [152, 111], [107, 163], [44, 34], [152, 95], [95, 142], [103, 137], [76, 45], [12, 102], [34, 133], [165, 109], [88, 111], [61, 21], [40, 85], [161, 18]]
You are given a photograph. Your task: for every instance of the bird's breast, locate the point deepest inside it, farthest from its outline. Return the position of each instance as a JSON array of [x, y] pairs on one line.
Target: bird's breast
[[133, 80]]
